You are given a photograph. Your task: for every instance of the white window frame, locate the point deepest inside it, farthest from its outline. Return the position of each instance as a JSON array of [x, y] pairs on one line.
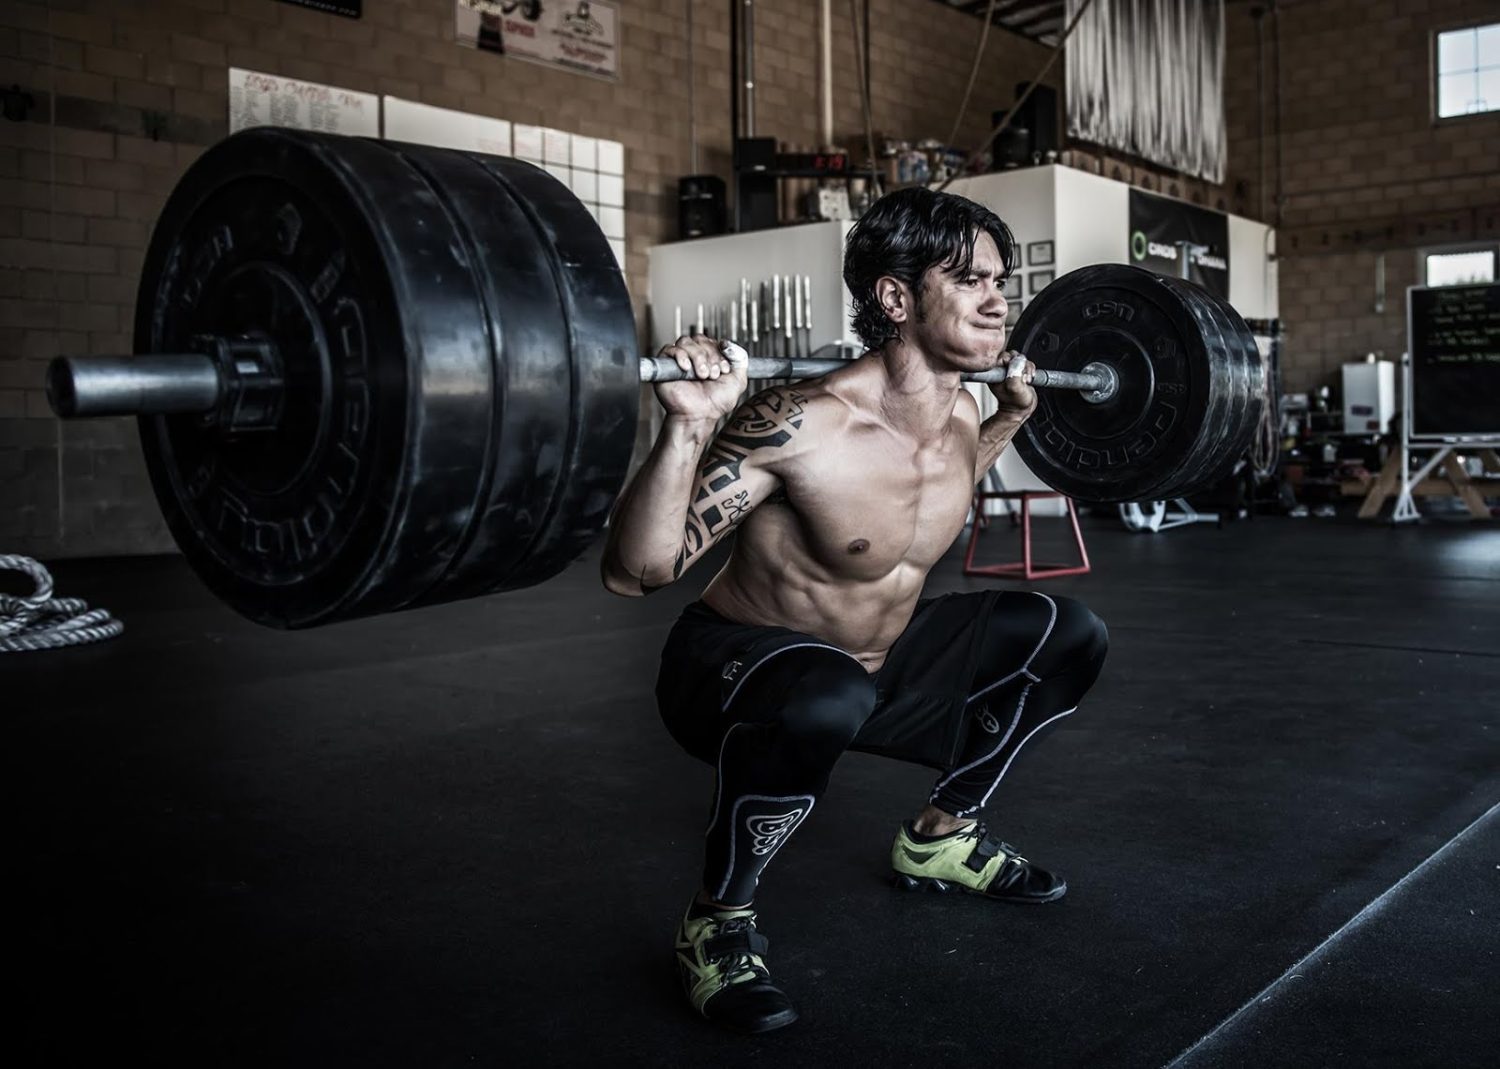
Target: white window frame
[[1433, 78], [1492, 247]]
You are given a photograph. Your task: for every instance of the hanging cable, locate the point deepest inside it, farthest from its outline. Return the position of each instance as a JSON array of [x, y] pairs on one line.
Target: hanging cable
[[1005, 122], [864, 94], [692, 77], [984, 35], [1265, 448]]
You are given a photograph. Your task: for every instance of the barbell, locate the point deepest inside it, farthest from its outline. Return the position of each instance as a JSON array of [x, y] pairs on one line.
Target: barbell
[[373, 376], [238, 383]]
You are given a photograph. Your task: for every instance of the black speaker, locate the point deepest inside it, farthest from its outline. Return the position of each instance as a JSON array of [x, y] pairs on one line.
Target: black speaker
[[700, 206], [1039, 115], [1012, 148], [756, 205], [755, 154]]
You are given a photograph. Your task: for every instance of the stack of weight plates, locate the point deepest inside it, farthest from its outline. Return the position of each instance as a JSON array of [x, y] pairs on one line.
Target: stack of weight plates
[[1189, 394], [460, 362]]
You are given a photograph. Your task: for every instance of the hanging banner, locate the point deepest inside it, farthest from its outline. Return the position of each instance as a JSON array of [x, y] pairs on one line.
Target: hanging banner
[[1157, 224], [1147, 77], [582, 35]]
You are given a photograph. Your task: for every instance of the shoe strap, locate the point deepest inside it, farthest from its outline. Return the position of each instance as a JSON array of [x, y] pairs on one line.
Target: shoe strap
[[988, 847], [741, 941]]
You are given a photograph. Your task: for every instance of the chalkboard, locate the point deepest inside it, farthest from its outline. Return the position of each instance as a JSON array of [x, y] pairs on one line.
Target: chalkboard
[[1454, 336]]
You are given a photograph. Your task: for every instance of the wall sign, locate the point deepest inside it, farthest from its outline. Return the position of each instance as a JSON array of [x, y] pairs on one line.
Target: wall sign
[[257, 99], [577, 35], [1453, 335], [1157, 224], [348, 8]]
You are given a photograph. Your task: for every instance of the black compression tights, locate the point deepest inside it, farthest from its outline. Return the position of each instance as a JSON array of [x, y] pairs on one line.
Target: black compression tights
[[802, 708]]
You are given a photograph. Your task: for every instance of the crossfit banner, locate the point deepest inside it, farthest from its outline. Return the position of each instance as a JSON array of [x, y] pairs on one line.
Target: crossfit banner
[[581, 35], [1157, 224]]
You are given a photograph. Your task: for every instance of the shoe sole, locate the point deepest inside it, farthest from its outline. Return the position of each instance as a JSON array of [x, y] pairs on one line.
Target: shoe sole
[[770, 1024], [902, 882]]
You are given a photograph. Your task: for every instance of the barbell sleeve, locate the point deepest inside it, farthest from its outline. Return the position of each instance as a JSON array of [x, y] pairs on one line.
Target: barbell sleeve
[[79, 387], [237, 381]]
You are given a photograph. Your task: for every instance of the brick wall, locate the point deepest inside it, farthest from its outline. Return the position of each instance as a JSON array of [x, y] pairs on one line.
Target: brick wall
[[82, 178], [1365, 171]]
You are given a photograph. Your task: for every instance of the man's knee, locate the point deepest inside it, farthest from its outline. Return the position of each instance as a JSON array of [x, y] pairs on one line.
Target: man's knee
[[1078, 634], [830, 700]]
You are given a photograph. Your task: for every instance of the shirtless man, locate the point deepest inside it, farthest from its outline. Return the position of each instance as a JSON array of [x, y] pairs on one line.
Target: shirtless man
[[813, 639]]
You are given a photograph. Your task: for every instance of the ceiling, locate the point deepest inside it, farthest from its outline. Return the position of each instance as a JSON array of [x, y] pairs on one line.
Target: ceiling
[[1040, 20]]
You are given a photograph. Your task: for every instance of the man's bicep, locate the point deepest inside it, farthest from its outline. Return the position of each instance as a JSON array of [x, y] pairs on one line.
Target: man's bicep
[[968, 412], [729, 489], [968, 408]]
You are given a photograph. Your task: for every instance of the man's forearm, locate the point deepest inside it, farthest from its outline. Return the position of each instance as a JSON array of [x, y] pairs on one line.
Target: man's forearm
[[645, 538], [995, 434]]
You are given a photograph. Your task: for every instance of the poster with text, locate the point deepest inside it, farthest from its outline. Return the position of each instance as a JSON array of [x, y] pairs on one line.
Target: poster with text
[[577, 35], [257, 99]]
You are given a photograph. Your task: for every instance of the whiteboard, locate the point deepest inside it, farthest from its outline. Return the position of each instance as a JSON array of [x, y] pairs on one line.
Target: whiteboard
[[260, 99], [1453, 336]]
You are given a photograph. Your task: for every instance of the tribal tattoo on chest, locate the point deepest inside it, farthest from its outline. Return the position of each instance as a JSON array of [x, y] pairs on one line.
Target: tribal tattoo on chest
[[766, 421]]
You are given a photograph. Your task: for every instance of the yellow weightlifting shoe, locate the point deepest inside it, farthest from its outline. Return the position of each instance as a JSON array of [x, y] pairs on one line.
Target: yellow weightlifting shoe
[[970, 860], [721, 961]]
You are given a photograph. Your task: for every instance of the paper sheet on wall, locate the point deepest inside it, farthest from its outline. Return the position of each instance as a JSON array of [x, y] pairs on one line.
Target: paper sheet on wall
[[258, 99], [423, 124]]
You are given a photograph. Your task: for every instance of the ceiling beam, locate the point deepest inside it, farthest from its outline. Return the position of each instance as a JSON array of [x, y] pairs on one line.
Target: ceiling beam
[[1024, 10], [1038, 20]]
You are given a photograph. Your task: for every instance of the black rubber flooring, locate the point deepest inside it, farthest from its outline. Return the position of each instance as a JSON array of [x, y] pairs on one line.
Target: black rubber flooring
[[460, 836]]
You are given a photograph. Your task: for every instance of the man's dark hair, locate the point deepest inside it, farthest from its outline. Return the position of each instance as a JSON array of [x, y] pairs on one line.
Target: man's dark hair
[[904, 234]]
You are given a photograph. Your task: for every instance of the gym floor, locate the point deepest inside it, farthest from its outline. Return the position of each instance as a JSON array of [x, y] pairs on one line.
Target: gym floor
[[460, 836]]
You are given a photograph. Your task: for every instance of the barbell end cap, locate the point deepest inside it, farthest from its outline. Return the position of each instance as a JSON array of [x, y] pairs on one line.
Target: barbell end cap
[[1111, 382]]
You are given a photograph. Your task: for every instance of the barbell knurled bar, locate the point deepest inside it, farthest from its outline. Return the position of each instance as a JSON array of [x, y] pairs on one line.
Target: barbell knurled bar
[[1097, 381]]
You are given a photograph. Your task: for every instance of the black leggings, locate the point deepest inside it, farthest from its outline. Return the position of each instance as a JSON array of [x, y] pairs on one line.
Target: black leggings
[[782, 731]]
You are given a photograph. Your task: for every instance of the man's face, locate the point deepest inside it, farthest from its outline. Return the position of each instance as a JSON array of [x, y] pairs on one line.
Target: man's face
[[960, 319]]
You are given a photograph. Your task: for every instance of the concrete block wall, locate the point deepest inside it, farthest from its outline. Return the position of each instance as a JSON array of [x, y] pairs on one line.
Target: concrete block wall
[[128, 92], [1361, 172]]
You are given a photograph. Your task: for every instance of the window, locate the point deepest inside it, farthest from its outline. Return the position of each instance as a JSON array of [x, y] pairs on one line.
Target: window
[[1459, 267], [1468, 71]]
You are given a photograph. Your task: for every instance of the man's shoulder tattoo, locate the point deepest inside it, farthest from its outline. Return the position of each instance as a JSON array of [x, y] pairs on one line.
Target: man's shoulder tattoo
[[769, 420]]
